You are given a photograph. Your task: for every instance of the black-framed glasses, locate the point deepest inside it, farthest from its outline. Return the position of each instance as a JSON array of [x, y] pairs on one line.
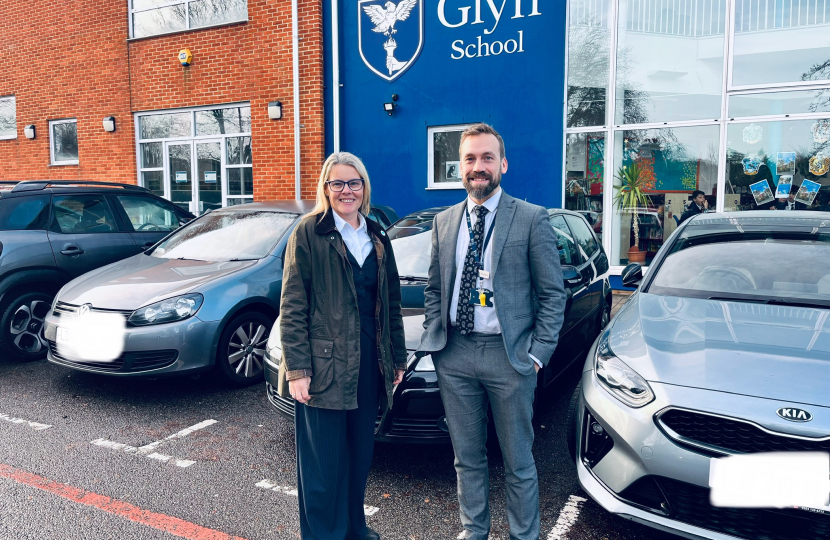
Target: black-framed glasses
[[338, 185]]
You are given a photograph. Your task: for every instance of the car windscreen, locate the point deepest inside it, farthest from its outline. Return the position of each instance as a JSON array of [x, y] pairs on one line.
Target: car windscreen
[[764, 267], [227, 235], [412, 244]]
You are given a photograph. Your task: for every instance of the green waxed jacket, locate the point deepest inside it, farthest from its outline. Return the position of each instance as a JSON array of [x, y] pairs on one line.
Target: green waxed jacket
[[319, 317]]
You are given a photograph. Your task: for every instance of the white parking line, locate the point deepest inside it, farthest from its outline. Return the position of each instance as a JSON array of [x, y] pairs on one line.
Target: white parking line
[[34, 425], [148, 450], [567, 517], [270, 485]]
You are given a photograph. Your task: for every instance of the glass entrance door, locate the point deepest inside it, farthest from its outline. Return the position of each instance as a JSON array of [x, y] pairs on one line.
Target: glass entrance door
[[208, 175], [180, 174]]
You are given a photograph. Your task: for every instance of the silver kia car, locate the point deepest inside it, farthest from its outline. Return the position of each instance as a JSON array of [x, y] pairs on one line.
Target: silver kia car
[[724, 349], [205, 297]]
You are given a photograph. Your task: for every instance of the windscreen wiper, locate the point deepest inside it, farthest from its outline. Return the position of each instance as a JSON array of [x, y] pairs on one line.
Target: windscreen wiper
[[413, 278], [775, 301]]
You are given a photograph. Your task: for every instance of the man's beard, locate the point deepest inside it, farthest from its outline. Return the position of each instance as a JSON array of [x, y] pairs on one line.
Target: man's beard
[[482, 192]]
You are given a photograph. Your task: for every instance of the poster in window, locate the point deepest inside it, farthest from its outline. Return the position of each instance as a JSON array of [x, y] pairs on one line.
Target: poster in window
[[785, 163], [453, 170], [785, 184], [761, 192], [210, 177], [181, 176], [596, 149], [807, 192]]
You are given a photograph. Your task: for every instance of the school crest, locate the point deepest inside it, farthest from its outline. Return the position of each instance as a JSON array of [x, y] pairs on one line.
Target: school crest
[[390, 35]]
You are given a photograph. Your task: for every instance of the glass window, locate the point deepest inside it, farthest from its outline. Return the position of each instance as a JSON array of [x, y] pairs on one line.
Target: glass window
[[669, 60], [769, 103], [63, 135], [225, 235], [444, 162], [778, 165], [154, 181], [780, 41], [8, 118], [412, 242], [239, 150], [165, 126], [152, 17], [24, 213], [584, 237], [148, 215], [666, 166], [565, 241], [223, 121], [584, 169], [83, 214], [589, 49]]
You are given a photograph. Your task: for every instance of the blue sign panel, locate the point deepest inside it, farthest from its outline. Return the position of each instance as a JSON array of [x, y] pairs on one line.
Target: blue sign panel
[[449, 63]]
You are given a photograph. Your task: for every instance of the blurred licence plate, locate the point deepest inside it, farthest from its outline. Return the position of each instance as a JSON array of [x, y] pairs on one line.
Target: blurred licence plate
[[67, 336]]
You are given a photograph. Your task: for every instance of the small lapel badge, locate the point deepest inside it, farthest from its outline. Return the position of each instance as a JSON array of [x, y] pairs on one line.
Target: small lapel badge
[[383, 233]]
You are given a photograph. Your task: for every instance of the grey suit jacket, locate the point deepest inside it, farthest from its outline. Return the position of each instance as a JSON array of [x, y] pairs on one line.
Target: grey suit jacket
[[528, 290]]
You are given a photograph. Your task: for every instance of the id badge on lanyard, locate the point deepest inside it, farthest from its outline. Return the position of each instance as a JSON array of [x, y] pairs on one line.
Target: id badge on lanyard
[[480, 296]]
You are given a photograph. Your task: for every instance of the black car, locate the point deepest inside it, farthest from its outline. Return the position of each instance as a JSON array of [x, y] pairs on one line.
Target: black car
[[54, 231], [418, 413]]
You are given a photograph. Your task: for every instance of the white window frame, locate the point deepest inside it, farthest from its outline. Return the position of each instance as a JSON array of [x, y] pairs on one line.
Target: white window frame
[[187, 17], [14, 107], [431, 131], [192, 138], [52, 160]]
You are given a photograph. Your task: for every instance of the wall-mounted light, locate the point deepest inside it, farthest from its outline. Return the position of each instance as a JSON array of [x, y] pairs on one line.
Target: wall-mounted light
[[390, 106], [29, 131], [275, 110], [109, 123]]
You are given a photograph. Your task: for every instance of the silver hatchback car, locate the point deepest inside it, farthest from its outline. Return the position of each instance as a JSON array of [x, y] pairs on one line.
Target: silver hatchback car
[[205, 296], [723, 350]]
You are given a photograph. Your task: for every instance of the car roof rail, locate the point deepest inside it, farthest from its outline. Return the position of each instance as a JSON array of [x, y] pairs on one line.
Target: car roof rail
[[38, 185]]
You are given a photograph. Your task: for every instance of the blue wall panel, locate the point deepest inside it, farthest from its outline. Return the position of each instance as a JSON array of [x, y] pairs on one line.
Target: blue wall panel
[[520, 94]]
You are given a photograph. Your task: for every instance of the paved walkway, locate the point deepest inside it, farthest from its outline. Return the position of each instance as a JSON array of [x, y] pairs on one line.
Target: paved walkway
[[620, 298]]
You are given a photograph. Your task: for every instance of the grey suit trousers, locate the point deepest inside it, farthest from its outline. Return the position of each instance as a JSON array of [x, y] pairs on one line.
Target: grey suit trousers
[[472, 371]]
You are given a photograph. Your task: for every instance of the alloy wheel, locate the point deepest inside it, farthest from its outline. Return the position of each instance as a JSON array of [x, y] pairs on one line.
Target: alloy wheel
[[246, 349], [606, 317], [26, 327]]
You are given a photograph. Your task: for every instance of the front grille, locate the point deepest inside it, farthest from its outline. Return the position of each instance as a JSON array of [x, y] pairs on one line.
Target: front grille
[[689, 503], [63, 308], [725, 435], [285, 406], [416, 427], [130, 362]]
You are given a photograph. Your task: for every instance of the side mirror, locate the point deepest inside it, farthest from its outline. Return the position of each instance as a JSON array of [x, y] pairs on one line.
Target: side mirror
[[571, 275], [632, 275]]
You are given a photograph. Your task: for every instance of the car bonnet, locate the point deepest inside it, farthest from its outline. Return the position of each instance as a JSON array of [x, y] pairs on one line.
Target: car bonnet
[[141, 280], [774, 352]]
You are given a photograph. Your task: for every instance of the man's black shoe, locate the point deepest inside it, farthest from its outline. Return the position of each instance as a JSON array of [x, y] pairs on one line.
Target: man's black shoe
[[371, 535]]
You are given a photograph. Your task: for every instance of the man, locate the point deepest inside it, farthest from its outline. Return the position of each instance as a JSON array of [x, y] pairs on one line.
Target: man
[[698, 205], [492, 256]]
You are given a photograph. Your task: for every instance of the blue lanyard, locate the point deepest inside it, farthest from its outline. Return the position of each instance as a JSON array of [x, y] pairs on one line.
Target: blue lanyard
[[479, 255]]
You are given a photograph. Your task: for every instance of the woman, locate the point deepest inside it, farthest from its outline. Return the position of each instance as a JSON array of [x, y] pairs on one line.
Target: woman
[[343, 345]]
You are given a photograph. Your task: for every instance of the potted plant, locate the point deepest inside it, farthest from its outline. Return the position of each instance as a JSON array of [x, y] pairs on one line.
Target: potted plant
[[630, 196]]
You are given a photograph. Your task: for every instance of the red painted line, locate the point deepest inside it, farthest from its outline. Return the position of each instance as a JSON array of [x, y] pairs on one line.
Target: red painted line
[[162, 522]]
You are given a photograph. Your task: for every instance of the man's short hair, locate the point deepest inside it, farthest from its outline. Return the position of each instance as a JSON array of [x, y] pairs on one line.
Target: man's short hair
[[697, 192], [482, 129]]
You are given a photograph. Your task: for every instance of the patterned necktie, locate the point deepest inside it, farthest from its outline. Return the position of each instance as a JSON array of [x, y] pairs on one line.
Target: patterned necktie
[[465, 314]]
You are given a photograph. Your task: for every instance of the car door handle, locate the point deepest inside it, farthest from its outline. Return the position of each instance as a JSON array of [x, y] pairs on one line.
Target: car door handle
[[72, 250]]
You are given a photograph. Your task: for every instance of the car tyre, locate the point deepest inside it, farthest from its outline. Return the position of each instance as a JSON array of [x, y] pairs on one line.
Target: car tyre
[[22, 319], [604, 315], [240, 356], [570, 423]]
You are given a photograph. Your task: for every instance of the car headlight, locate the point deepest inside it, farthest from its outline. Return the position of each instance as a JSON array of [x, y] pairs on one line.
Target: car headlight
[[623, 382], [173, 309], [273, 348], [423, 364]]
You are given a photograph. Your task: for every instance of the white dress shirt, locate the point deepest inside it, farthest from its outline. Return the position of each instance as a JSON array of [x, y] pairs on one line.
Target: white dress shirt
[[485, 320], [357, 241]]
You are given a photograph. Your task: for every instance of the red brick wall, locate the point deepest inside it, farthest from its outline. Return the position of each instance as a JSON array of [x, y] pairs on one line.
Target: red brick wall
[[72, 59]]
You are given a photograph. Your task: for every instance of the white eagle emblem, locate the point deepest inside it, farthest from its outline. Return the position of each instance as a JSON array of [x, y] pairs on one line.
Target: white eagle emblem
[[385, 19]]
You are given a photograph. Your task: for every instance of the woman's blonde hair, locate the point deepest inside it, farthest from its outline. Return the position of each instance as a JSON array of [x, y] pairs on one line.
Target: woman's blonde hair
[[342, 158]]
